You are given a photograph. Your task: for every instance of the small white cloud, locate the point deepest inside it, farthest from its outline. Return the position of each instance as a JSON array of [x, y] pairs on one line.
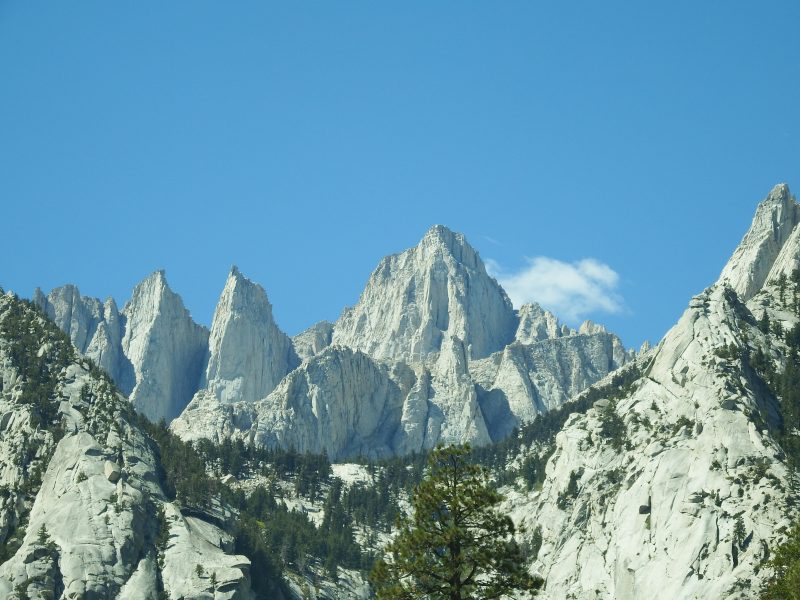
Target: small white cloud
[[570, 290]]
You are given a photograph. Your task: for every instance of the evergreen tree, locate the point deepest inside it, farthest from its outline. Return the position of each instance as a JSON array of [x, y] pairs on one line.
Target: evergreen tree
[[785, 584], [455, 545]]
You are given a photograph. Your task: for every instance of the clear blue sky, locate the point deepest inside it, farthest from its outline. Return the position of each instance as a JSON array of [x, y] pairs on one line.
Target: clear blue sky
[[303, 141]]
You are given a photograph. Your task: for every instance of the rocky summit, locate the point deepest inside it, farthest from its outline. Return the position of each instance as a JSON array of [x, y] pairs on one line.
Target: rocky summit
[[432, 353], [417, 299], [668, 473]]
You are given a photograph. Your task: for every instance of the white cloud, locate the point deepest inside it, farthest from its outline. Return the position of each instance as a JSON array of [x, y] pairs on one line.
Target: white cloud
[[570, 290]]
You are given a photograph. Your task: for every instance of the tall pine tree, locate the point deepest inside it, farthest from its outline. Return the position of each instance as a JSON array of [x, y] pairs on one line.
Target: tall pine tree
[[455, 545]]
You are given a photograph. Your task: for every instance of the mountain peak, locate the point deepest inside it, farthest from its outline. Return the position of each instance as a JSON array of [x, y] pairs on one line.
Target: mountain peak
[[775, 219], [237, 281], [162, 339], [443, 235], [159, 275], [779, 194], [415, 299], [440, 238], [248, 353]]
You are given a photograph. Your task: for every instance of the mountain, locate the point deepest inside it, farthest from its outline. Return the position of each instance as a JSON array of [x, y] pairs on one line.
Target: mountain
[[165, 346], [85, 510], [433, 353], [668, 474], [416, 299], [153, 350], [678, 484], [248, 354]]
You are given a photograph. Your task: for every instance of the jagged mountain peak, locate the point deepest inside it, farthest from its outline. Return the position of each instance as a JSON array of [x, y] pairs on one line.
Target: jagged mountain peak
[[76, 315], [779, 194], [414, 298], [536, 324], [235, 274], [161, 339], [237, 286], [440, 238], [248, 353], [775, 219], [589, 327]]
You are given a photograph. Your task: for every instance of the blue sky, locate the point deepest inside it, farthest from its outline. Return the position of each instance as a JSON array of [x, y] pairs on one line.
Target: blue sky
[[613, 145]]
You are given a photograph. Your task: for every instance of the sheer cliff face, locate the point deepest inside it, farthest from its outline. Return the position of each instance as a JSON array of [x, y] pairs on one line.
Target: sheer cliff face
[[80, 489], [688, 494], [165, 347], [153, 350], [248, 354], [414, 300]]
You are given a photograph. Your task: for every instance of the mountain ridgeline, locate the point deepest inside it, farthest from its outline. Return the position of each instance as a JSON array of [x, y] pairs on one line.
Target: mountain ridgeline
[[669, 474], [432, 352]]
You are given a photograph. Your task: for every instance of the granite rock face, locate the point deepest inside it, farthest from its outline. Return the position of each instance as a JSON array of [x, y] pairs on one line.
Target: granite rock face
[[774, 221], [313, 340], [415, 299], [345, 403], [79, 501], [248, 355], [153, 350], [528, 379], [443, 356], [433, 352], [165, 346], [678, 489]]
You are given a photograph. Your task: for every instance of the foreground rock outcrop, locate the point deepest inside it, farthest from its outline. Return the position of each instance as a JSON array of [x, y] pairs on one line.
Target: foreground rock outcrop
[[679, 488], [82, 510]]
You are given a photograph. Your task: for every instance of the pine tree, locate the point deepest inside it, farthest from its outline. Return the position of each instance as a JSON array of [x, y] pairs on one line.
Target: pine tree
[[455, 545], [785, 584]]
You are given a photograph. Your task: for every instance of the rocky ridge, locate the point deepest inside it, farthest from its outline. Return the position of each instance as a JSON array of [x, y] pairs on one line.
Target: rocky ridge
[[433, 352], [444, 355], [84, 514], [679, 488]]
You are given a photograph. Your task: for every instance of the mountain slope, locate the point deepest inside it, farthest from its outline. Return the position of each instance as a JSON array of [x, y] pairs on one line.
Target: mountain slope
[[678, 489], [84, 513]]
